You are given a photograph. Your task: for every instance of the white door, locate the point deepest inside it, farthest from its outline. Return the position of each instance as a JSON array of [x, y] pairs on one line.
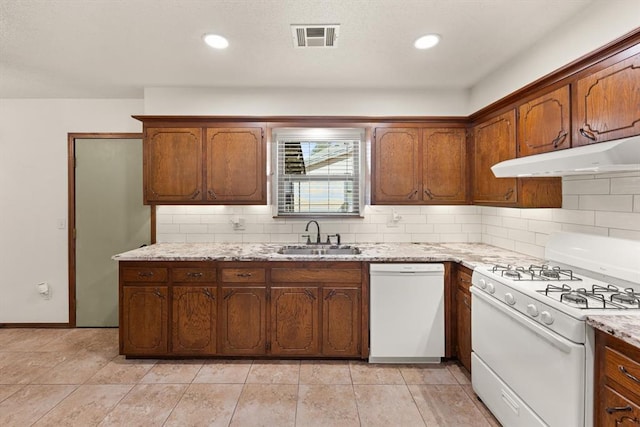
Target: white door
[[110, 218]]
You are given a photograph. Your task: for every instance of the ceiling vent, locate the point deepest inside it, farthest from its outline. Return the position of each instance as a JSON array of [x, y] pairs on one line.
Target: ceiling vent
[[318, 35]]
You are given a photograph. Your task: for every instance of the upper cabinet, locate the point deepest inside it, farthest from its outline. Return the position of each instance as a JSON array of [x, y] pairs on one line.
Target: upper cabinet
[[172, 165], [607, 103], [235, 165], [544, 123], [419, 166], [494, 141], [204, 164]]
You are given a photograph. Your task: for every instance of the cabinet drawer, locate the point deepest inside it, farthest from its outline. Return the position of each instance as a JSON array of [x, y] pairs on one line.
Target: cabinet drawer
[[207, 275], [617, 410], [144, 274], [464, 281], [622, 370], [243, 275], [312, 275]]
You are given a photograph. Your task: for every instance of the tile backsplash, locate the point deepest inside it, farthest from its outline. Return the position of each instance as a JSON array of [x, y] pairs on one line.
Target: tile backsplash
[[599, 204]]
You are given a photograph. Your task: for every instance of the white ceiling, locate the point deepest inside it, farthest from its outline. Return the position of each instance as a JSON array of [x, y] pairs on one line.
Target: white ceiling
[[115, 48]]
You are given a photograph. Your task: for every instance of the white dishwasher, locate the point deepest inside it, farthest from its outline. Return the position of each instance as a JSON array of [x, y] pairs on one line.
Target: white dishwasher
[[406, 312]]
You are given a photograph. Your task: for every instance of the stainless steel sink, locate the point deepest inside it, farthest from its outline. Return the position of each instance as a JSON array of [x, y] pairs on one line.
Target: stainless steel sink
[[319, 250]]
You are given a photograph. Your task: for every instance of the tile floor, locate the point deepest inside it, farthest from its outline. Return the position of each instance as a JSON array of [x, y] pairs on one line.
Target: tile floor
[[74, 377]]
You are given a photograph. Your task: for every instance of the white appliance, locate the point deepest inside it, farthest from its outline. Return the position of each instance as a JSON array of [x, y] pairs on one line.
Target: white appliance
[[406, 313], [532, 352], [612, 156]]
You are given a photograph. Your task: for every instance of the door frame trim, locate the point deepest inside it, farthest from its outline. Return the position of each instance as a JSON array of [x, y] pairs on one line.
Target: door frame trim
[[71, 226]]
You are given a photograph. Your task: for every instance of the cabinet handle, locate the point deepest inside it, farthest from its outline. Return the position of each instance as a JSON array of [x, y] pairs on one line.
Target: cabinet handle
[[208, 293], [157, 293], [145, 273], [465, 301], [212, 195], [410, 196], [428, 193], [330, 294], [618, 409], [587, 134], [244, 274], [195, 195], [559, 139], [310, 294], [194, 274], [508, 194], [229, 294], [627, 374]]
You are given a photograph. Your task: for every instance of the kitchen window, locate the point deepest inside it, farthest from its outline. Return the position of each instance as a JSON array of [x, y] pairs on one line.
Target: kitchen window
[[318, 172]]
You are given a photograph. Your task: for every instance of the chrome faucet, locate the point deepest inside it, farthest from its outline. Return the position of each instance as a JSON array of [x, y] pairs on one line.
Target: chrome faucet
[[307, 229]]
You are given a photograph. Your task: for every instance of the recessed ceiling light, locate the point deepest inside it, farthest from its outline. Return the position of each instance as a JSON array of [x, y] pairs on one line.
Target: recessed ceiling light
[[428, 41], [216, 41]]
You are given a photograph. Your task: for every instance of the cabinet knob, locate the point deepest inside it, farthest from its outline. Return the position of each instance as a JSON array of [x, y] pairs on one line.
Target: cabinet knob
[[628, 374], [508, 194], [615, 409], [428, 193], [157, 293], [212, 195], [145, 273], [194, 274], [587, 134], [208, 293], [411, 195], [244, 275], [195, 195], [559, 139]]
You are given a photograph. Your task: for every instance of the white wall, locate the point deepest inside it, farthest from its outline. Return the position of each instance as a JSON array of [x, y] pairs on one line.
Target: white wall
[[424, 224], [596, 25], [604, 204], [33, 178], [304, 102]]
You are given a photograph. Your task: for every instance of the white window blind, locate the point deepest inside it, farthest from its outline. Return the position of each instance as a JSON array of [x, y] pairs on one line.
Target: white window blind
[[318, 176]]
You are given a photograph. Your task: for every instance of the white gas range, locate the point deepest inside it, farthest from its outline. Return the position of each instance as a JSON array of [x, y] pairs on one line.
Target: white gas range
[[532, 360]]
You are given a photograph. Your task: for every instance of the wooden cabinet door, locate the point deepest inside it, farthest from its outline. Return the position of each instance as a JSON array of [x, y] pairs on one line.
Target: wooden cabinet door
[[543, 123], [144, 318], [340, 321], [463, 305], [607, 104], [172, 165], [243, 320], [235, 165], [494, 141], [397, 166], [444, 165], [617, 410], [194, 314], [294, 321]]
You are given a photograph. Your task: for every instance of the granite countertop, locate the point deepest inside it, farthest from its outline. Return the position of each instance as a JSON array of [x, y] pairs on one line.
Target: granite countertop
[[470, 255], [623, 326]]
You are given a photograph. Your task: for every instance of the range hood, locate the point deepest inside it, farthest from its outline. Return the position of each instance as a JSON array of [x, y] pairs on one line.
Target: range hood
[[613, 156]]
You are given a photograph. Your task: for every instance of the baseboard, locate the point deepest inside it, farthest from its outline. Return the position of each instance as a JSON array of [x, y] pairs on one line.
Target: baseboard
[[35, 325]]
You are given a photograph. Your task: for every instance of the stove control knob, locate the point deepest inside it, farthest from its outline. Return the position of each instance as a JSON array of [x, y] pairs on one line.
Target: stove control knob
[[490, 288], [482, 283], [532, 310], [546, 317], [509, 298]]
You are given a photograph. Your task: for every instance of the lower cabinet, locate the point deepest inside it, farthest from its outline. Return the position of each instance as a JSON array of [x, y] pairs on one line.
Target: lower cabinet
[[243, 321], [143, 320], [463, 321], [294, 321], [194, 319], [306, 309], [617, 382], [340, 321]]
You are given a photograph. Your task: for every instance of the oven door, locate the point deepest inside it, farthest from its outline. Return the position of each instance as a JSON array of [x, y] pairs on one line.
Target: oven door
[[521, 368]]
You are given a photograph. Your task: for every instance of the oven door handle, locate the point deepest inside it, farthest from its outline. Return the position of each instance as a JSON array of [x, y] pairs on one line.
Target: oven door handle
[[555, 340]]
